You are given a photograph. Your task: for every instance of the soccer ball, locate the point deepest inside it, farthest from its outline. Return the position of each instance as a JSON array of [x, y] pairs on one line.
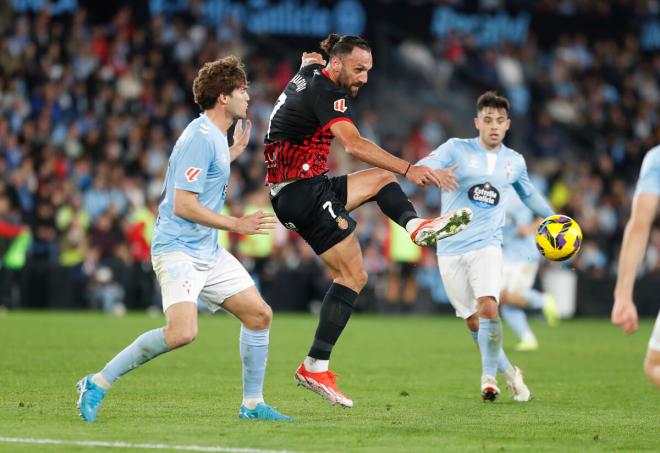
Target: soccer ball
[[559, 237]]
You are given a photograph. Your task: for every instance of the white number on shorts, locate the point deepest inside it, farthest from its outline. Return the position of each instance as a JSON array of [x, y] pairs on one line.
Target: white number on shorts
[[327, 205]]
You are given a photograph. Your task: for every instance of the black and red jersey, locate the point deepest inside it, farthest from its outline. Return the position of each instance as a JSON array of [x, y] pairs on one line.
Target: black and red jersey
[[298, 140]]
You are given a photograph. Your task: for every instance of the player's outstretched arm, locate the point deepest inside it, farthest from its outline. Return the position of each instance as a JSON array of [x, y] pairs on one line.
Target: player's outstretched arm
[[241, 139], [372, 154], [188, 207], [635, 238], [311, 58]]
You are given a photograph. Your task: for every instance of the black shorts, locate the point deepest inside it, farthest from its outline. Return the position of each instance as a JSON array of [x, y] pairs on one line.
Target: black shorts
[[316, 209]]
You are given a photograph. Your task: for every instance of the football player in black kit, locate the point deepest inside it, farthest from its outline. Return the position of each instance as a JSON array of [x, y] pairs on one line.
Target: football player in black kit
[[314, 108]]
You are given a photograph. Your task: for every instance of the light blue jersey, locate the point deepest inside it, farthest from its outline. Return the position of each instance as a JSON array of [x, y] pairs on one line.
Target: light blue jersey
[[518, 248], [485, 179], [199, 163], [649, 175]]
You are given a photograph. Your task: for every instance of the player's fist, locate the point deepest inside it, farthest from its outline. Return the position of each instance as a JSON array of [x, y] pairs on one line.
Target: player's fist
[[312, 58], [256, 223], [624, 315]]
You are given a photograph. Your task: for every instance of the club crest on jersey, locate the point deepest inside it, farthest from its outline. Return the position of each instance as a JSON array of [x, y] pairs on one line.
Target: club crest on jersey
[[484, 195], [342, 223], [340, 105], [192, 173]]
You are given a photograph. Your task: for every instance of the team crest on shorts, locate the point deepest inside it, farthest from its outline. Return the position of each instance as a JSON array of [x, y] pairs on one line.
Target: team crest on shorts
[[342, 223]]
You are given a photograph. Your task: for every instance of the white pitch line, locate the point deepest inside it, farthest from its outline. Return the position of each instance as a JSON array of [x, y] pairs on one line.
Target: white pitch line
[[98, 443]]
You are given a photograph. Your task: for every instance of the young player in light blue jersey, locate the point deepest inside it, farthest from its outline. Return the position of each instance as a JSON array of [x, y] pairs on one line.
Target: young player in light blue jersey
[[633, 248], [521, 264], [486, 173], [186, 257]]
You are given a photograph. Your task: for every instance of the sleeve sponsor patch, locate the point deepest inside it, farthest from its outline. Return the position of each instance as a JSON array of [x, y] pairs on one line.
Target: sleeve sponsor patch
[[340, 105], [192, 173]]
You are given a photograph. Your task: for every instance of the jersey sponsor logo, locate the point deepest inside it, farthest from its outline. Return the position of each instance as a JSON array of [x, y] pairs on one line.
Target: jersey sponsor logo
[[340, 105], [290, 226], [192, 173], [484, 195]]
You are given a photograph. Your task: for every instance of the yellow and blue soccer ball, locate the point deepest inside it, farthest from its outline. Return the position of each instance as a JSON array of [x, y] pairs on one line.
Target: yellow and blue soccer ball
[[559, 237]]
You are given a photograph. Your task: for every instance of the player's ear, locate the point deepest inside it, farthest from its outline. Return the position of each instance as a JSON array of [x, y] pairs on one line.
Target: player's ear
[[476, 122], [222, 99], [336, 63]]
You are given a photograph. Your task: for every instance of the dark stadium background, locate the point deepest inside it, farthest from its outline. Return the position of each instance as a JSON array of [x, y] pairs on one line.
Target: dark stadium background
[[583, 77]]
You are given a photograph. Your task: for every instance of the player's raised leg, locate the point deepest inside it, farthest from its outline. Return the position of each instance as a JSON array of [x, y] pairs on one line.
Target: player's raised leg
[[255, 316], [181, 329], [345, 262], [382, 187]]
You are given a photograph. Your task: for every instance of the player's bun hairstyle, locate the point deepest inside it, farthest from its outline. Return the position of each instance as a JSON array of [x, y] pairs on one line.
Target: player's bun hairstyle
[[493, 100], [336, 44], [218, 77]]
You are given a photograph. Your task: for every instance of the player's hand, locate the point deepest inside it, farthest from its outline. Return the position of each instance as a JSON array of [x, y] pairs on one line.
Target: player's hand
[[421, 175], [256, 223], [312, 58], [448, 179], [241, 139], [624, 315]]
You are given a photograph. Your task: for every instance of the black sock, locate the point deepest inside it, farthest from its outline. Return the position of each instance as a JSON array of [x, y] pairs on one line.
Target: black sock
[[335, 311], [395, 204]]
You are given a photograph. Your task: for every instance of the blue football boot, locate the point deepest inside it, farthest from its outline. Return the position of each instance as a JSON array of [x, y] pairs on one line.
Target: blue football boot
[[91, 397], [264, 412]]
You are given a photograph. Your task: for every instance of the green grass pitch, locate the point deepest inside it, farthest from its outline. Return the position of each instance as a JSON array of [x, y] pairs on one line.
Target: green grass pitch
[[414, 380]]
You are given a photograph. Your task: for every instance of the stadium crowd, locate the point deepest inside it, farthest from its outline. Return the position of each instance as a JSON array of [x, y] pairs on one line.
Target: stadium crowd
[[89, 113]]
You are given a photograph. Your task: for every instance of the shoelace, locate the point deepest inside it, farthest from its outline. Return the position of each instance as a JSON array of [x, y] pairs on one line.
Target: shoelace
[[95, 396], [333, 376], [270, 411]]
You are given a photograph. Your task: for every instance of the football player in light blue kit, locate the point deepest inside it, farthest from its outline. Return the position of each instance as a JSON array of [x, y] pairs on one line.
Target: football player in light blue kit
[[521, 264], [633, 248], [486, 172], [185, 253]]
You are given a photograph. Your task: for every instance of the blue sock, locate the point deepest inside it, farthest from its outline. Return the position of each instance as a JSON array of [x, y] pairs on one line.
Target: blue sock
[[503, 363], [145, 347], [490, 344], [535, 299], [254, 353], [516, 318]]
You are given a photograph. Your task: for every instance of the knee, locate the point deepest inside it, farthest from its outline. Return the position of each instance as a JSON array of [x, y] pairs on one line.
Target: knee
[[652, 370], [488, 308], [472, 323], [359, 280], [261, 318], [177, 337], [504, 297], [384, 178]]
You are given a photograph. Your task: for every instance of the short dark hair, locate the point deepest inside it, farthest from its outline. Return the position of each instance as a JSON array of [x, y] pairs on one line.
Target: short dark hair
[[218, 77], [336, 44], [493, 100]]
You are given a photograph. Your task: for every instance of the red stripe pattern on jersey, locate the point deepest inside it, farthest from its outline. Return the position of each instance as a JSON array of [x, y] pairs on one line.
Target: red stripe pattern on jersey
[[286, 160]]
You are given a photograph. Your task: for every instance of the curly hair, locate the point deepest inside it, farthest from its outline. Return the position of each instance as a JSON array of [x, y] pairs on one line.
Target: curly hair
[[218, 77]]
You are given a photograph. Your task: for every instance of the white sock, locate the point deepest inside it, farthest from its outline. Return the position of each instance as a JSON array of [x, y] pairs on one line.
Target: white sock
[[102, 382], [251, 403], [413, 224], [315, 365]]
